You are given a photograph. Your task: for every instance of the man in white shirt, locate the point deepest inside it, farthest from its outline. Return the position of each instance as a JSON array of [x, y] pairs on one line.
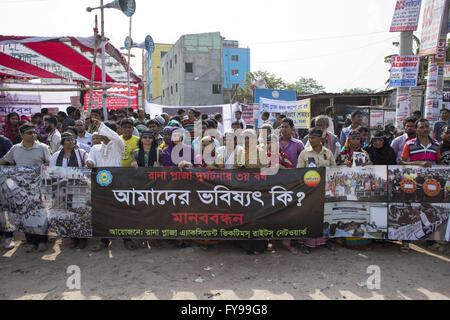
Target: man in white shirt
[[329, 111], [109, 152], [83, 136], [220, 127]]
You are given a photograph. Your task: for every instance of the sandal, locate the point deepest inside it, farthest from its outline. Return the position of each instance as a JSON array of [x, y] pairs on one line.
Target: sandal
[[404, 247], [437, 247], [129, 244]]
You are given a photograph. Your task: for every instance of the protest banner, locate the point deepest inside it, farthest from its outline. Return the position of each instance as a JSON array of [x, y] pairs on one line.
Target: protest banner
[[198, 204], [389, 118], [431, 27], [249, 114], [165, 203], [433, 101], [403, 109], [113, 103], [406, 15], [298, 111], [376, 119], [447, 71], [404, 71]]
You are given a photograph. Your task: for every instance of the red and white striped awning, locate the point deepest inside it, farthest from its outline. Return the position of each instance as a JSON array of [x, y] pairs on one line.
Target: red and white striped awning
[[60, 58]]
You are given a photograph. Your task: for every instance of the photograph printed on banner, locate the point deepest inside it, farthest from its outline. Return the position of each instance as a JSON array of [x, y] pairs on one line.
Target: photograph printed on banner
[[356, 184], [350, 219], [66, 195], [20, 200], [414, 221], [418, 184]]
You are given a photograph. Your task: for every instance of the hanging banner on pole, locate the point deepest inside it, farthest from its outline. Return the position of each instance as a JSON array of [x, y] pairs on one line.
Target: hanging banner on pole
[[406, 16], [433, 100], [404, 71], [431, 27], [403, 109]]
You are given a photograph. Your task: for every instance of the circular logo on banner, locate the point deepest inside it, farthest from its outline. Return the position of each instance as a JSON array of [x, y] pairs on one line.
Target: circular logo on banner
[[408, 186], [104, 178], [275, 94], [431, 187], [312, 178]]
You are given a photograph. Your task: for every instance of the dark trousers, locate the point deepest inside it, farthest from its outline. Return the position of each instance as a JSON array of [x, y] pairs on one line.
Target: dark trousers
[[7, 234], [36, 238]]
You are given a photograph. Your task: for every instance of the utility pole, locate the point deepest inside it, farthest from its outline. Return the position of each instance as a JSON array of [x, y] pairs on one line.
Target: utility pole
[[433, 99], [403, 94]]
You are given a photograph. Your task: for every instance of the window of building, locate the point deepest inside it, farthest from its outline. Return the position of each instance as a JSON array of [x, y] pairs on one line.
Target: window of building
[[171, 89], [162, 70], [235, 86], [170, 63], [163, 53], [175, 59], [164, 93], [189, 67], [234, 58], [216, 88], [176, 87], [234, 72]]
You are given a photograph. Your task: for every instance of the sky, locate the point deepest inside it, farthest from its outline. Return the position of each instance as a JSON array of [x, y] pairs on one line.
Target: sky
[[339, 43]]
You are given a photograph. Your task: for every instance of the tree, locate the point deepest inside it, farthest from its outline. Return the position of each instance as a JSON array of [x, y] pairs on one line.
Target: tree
[[245, 94], [359, 90], [306, 86]]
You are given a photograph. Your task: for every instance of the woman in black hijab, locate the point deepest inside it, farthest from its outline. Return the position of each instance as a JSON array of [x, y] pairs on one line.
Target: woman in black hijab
[[379, 151]]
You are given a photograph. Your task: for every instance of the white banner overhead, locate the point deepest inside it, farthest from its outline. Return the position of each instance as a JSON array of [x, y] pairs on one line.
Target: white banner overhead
[[406, 15], [431, 27]]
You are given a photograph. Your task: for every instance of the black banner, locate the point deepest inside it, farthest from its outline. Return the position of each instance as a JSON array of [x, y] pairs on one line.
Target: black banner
[[167, 203]]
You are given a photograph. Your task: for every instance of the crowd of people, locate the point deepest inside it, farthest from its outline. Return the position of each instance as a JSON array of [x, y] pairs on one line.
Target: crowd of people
[[353, 186], [131, 139]]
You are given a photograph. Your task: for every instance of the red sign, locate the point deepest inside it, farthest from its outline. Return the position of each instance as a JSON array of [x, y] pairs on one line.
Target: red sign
[[113, 103]]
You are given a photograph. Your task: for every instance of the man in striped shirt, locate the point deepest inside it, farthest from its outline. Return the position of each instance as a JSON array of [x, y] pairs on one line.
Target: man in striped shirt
[[423, 150]]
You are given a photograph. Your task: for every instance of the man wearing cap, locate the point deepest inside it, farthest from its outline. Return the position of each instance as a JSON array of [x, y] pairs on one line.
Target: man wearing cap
[[30, 153], [315, 155]]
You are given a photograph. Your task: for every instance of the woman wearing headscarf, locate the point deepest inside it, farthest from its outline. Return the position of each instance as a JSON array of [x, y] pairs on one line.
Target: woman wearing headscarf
[[11, 128], [352, 147], [380, 153], [185, 155], [230, 155], [148, 154], [70, 156], [207, 158], [252, 153]]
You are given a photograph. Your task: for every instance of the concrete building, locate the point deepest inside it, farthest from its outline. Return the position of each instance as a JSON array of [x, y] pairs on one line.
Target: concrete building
[[160, 51], [236, 64], [192, 71]]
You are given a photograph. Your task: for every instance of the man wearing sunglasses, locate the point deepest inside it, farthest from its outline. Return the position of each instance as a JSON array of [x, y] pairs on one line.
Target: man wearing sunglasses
[[30, 153]]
